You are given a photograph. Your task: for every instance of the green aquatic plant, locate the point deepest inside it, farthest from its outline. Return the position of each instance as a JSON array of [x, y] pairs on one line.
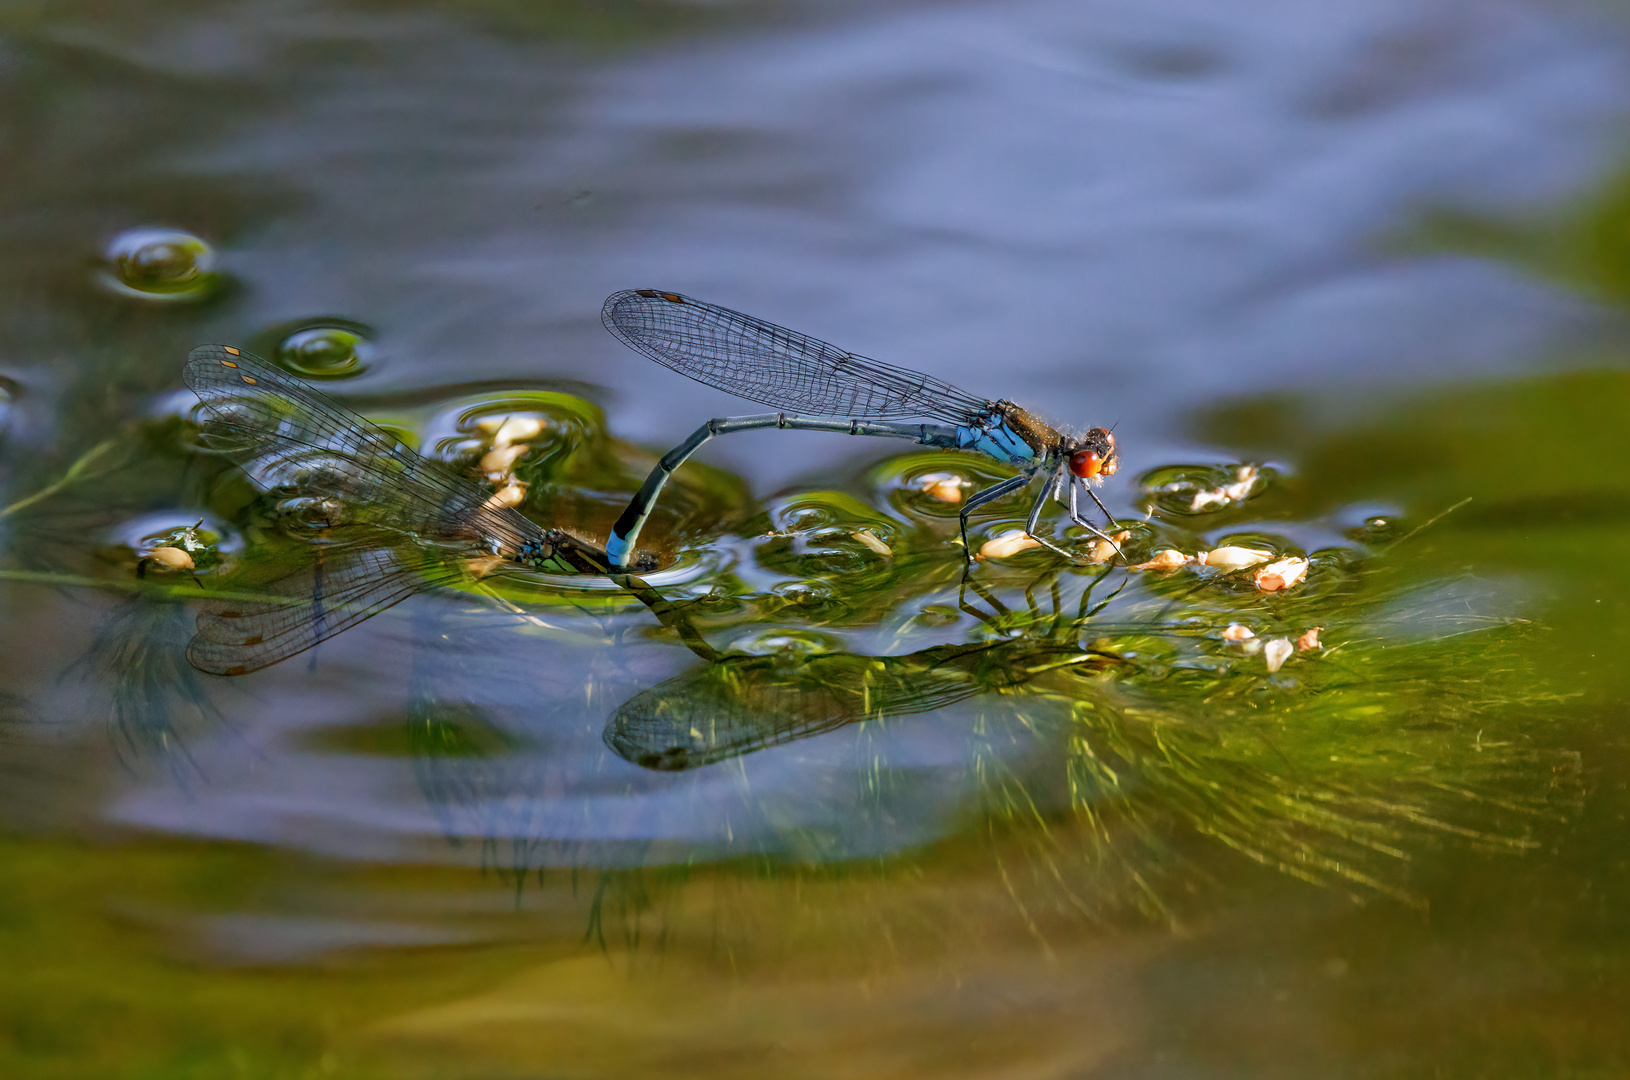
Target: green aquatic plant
[[1152, 718], [1118, 707], [1100, 714]]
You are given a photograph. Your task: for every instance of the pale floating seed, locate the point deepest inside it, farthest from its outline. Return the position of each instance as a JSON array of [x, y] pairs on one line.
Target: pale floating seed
[[509, 495], [1009, 543], [1234, 558], [1244, 480], [171, 558], [1276, 652], [1309, 640], [871, 540], [517, 429], [485, 564], [942, 487], [1103, 550], [1169, 559], [1283, 574], [1238, 632], [501, 459]]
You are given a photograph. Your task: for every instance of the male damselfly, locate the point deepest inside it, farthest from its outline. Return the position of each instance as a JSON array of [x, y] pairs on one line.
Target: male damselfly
[[809, 380], [380, 521]]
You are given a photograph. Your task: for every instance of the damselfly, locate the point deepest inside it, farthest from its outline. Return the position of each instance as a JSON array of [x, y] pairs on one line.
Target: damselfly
[[381, 522], [808, 379]]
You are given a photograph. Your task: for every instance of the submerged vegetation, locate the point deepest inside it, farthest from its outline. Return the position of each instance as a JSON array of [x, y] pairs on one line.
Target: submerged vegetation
[[812, 697], [1137, 704]]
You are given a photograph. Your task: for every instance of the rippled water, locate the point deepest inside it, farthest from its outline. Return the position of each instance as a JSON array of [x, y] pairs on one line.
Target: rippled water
[[809, 799]]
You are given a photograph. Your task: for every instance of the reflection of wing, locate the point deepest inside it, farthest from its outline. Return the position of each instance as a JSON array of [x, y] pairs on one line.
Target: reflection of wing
[[742, 704], [331, 592], [291, 437]]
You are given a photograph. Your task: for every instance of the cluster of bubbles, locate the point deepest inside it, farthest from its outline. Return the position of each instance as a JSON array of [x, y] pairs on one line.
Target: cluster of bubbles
[[162, 265]]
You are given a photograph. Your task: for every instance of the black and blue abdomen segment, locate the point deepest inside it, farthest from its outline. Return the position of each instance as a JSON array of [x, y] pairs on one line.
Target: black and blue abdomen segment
[[998, 440]]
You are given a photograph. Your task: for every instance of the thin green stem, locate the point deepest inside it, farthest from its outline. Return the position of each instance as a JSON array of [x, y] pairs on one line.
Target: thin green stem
[[174, 592], [75, 472]]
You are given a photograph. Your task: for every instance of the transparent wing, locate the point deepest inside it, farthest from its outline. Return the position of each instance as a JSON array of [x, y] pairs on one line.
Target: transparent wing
[[385, 522], [330, 592], [774, 366], [292, 439]]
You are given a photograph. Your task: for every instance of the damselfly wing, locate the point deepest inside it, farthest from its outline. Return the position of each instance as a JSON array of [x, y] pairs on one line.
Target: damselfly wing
[[383, 521]]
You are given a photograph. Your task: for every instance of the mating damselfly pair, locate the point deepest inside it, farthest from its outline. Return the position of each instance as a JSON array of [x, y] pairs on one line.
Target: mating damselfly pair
[[392, 522]]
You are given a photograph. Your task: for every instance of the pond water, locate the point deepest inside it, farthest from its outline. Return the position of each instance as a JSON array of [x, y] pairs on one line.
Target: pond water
[[807, 798]]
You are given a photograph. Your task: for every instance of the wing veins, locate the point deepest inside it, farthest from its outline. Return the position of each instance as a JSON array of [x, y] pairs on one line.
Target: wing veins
[[775, 366], [309, 605], [434, 490]]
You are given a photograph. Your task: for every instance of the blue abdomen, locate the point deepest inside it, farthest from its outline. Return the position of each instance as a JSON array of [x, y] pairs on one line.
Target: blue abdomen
[[998, 440]]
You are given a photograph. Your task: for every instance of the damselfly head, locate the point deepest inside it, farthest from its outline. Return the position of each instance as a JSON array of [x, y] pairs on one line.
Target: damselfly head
[[1094, 455]]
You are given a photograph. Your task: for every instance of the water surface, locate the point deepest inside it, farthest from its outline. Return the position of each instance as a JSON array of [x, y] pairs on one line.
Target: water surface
[[826, 808]]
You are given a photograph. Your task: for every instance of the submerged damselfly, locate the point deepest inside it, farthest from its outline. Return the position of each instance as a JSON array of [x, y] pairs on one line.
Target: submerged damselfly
[[381, 521], [819, 387]]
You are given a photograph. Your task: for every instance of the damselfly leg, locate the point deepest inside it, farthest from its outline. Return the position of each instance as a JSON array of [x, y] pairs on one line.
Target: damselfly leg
[[1053, 488], [1049, 489], [1075, 513], [990, 494]]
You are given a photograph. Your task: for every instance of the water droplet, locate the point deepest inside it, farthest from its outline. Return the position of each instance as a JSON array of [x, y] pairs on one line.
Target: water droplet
[[310, 517], [789, 644], [160, 264], [937, 615], [1376, 530], [807, 595], [804, 518], [326, 351]]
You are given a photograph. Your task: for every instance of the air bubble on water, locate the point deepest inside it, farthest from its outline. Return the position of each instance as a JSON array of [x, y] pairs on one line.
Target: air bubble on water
[[162, 265], [326, 351], [788, 643]]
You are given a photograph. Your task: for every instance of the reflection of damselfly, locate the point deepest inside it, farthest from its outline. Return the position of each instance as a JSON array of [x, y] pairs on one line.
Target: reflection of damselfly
[[738, 703], [808, 379], [381, 522]]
